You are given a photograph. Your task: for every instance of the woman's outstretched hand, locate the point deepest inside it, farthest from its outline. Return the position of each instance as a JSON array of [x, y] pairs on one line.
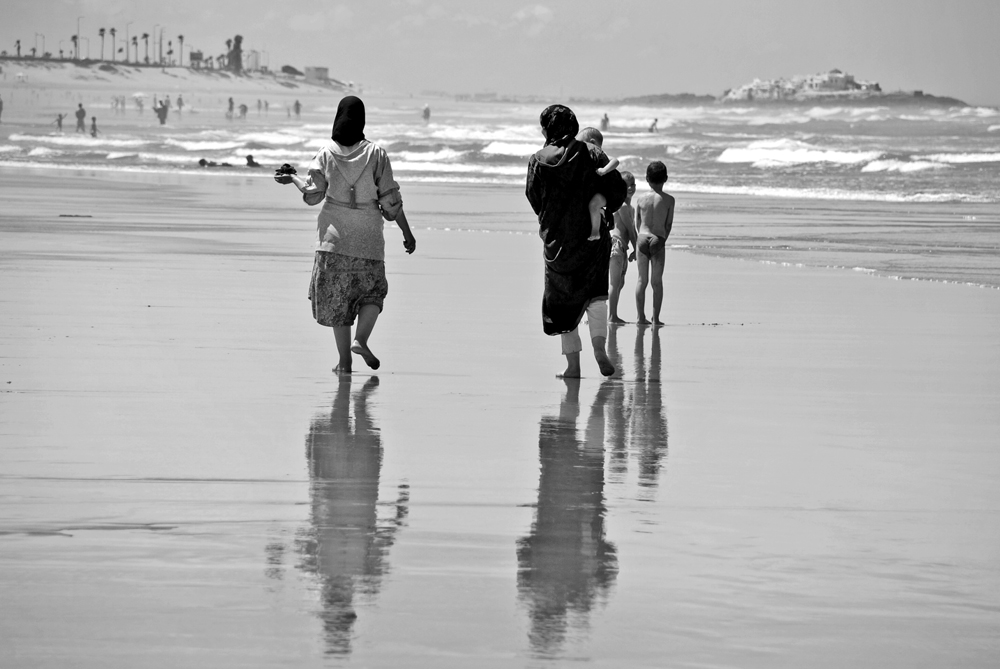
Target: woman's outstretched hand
[[409, 243]]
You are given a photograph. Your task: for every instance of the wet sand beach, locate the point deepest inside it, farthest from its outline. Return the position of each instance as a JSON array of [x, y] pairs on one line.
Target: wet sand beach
[[799, 470]]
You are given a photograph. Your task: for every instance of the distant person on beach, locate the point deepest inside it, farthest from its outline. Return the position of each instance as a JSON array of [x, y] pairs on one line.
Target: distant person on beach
[[161, 112], [58, 121], [297, 108], [180, 104], [229, 109], [598, 201], [654, 218], [81, 118], [243, 112], [93, 126], [605, 123], [258, 106], [1, 108], [623, 235], [426, 113], [353, 179], [267, 107], [251, 162], [560, 182], [653, 127]]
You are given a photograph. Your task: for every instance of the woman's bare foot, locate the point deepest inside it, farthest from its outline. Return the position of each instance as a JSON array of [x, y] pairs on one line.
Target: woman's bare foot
[[366, 354], [658, 323], [604, 362], [642, 321], [614, 320], [572, 367], [342, 369]]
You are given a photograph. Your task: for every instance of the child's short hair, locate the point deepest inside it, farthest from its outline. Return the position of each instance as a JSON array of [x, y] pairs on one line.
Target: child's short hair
[[656, 173], [592, 136], [628, 177]]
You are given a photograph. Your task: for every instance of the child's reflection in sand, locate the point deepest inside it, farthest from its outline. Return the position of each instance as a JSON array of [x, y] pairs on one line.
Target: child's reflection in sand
[[565, 565], [347, 544]]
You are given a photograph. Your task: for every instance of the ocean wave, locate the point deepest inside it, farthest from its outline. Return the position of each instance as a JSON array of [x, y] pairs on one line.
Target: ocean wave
[[957, 158], [518, 149], [77, 140], [414, 166], [783, 152], [203, 145], [902, 166], [828, 194], [993, 128], [10, 148], [443, 155], [272, 138], [44, 152]]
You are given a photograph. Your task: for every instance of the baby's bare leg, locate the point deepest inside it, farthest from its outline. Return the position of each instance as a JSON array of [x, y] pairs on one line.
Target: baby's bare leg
[[597, 204]]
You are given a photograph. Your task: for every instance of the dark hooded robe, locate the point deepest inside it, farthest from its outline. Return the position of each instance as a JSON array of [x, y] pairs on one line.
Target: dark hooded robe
[[561, 181]]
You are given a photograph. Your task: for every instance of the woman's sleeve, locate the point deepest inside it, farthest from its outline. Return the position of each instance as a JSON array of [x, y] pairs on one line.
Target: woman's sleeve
[[533, 188], [316, 184], [389, 199]]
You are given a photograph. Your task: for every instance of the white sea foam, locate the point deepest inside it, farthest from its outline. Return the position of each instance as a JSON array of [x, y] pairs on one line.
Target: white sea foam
[[203, 145], [825, 193], [274, 138], [44, 152], [10, 148], [518, 149], [78, 140], [902, 166], [414, 166], [444, 155], [956, 158], [782, 152], [993, 128]]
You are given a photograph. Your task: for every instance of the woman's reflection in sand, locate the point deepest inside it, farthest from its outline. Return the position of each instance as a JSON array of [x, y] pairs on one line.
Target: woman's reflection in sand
[[565, 566], [347, 543]]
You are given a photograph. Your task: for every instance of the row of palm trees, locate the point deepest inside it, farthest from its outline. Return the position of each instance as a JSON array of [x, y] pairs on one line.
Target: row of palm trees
[[75, 39]]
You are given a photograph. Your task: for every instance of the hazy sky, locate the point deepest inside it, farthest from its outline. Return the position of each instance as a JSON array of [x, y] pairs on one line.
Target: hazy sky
[[566, 47]]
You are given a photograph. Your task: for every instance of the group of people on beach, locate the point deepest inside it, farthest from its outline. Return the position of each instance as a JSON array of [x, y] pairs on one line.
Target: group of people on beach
[[586, 222]]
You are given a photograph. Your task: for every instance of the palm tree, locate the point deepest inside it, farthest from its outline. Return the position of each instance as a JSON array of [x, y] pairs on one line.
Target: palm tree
[[114, 44], [145, 39], [33, 49], [170, 51], [180, 61], [135, 43], [101, 33], [75, 40]]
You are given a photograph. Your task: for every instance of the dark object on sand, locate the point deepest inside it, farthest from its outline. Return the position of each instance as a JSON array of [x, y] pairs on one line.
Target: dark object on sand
[[283, 175], [251, 162]]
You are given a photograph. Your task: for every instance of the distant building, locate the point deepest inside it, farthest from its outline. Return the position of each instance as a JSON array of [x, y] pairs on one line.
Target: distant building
[[317, 75], [834, 83], [196, 58]]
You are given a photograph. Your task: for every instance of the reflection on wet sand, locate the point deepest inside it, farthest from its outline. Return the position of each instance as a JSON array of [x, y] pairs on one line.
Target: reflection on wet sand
[[347, 543], [566, 565]]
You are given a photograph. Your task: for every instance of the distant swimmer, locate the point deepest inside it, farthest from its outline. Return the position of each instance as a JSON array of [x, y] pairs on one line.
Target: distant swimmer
[[243, 111], [251, 162], [81, 118], [212, 163], [427, 113], [605, 123], [93, 126], [297, 108], [652, 127]]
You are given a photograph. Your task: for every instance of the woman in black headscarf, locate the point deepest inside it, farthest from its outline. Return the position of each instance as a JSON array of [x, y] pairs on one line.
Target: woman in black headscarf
[[561, 180], [352, 177]]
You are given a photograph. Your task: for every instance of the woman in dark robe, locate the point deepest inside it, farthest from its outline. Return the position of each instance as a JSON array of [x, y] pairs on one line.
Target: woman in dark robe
[[562, 177]]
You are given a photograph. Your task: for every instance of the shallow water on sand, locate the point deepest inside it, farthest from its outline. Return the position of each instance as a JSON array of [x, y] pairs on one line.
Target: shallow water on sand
[[799, 470]]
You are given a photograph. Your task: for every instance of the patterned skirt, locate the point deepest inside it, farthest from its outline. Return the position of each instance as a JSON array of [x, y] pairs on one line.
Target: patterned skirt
[[341, 285]]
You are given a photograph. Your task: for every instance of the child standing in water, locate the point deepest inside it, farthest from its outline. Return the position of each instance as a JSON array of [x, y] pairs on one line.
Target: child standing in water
[[598, 201], [93, 126], [654, 218]]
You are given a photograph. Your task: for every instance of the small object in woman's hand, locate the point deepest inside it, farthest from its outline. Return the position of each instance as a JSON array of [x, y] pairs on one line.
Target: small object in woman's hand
[[283, 175]]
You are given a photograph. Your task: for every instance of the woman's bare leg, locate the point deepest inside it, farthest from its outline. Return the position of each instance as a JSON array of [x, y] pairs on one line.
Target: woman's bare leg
[[342, 335], [366, 323]]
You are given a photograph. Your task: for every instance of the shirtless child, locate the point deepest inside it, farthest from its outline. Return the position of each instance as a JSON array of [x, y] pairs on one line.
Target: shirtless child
[[622, 236], [598, 202], [654, 217]]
